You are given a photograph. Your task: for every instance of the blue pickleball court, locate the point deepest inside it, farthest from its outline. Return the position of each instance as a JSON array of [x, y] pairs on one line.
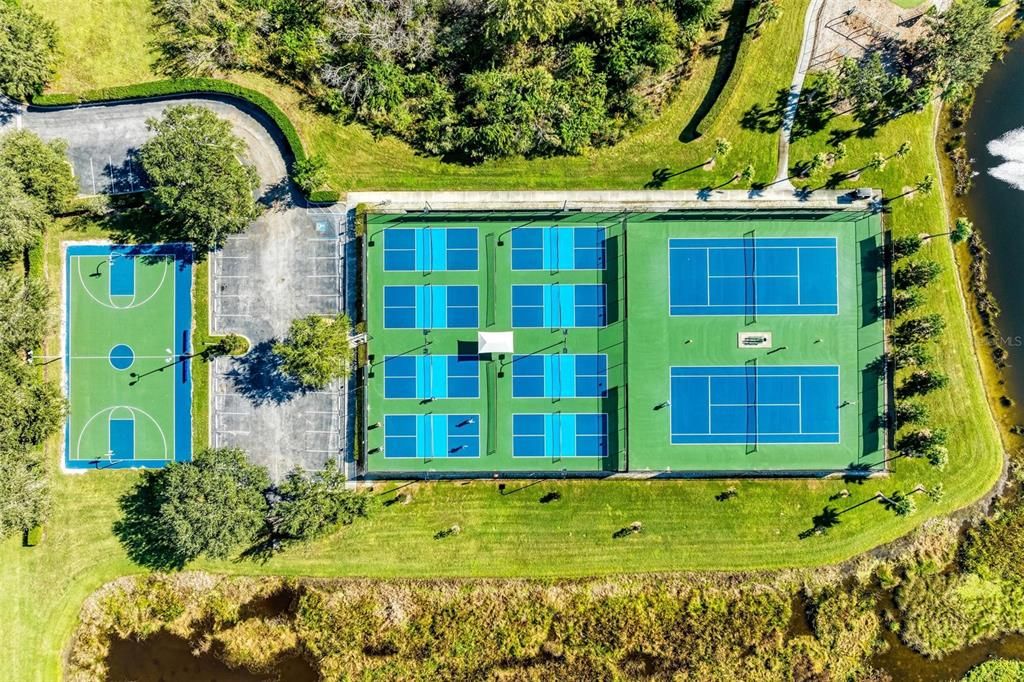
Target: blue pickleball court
[[431, 307], [559, 375], [556, 306], [431, 377], [748, 404], [431, 436], [430, 249], [560, 435], [748, 276], [558, 248]]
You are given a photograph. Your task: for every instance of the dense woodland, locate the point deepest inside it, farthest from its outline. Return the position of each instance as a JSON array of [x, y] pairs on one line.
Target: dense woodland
[[467, 79]]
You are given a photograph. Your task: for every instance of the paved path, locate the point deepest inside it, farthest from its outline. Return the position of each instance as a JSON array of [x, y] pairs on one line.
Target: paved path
[[803, 63], [289, 263]]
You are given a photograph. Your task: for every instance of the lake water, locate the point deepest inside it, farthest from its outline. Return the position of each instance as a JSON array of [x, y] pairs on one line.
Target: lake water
[[995, 141]]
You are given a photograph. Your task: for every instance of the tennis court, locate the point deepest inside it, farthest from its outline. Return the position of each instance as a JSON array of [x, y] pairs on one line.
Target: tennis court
[[753, 276], [558, 305], [128, 322], [431, 436], [431, 377], [560, 435], [558, 248], [559, 375], [748, 404], [431, 307], [430, 249]]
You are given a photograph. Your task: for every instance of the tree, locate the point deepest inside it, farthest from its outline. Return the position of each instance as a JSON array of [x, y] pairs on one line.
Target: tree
[[233, 344], [902, 504], [906, 300], [918, 329], [959, 47], [41, 167], [28, 51], [904, 246], [24, 492], [210, 506], [747, 175], [309, 507], [925, 185], [936, 492], [722, 148], [22, 218], [200, 185], [909, 412], [915, 355], [310, 174], [766, 12], [523, 20], [839, 153], [316, 350], [962, 230], [922, 382], [877, 162], [916, 274], [921, 442], [903, 150], [817, 164], [31, 410], [25, 313]]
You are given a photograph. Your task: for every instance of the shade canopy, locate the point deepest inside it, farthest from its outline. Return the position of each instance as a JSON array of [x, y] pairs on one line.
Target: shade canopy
[[494, 342]]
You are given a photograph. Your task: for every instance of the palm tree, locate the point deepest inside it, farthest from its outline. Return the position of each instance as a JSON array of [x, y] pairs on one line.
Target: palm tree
[[877, 162], [902, 151], [722, 148], [747, 176], [926, 185]]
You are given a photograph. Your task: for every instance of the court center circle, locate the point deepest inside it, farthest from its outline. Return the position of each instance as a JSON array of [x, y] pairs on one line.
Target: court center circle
[[121, 356]]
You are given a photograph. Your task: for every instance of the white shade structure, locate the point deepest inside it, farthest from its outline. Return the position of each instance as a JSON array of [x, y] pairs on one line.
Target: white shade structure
[[494, 342]]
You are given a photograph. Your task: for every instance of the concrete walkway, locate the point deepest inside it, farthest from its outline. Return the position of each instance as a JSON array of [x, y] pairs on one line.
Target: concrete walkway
[[777, 196], [803, 63]]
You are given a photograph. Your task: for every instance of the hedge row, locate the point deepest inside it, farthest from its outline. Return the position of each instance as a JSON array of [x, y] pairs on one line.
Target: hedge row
[[730, 85], [194, 86]]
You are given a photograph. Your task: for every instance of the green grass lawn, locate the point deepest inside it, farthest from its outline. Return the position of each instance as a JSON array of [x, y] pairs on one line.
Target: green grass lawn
[[104, 42], [685, 527]]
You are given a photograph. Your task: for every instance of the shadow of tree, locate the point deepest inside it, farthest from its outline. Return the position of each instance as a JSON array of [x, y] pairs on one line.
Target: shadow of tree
[[258, 377], [8, 110], [139, 529]]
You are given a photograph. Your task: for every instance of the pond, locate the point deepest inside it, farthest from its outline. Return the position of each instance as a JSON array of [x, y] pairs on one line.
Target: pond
[[995, 142]]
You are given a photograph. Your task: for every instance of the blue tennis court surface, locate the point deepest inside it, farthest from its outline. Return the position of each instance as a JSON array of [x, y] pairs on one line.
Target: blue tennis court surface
[[431, 307], [431, 436], [747, 276], [431, 376], [559, 376], [558, 305], [558, 248], [560, 435], [430, 249], [751, 405]]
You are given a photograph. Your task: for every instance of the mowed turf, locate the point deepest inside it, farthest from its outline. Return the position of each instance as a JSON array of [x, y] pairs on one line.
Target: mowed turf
[[128, 327]]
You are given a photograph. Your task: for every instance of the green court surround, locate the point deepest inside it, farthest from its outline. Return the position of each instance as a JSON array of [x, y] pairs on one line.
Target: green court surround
[[642, 342]]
